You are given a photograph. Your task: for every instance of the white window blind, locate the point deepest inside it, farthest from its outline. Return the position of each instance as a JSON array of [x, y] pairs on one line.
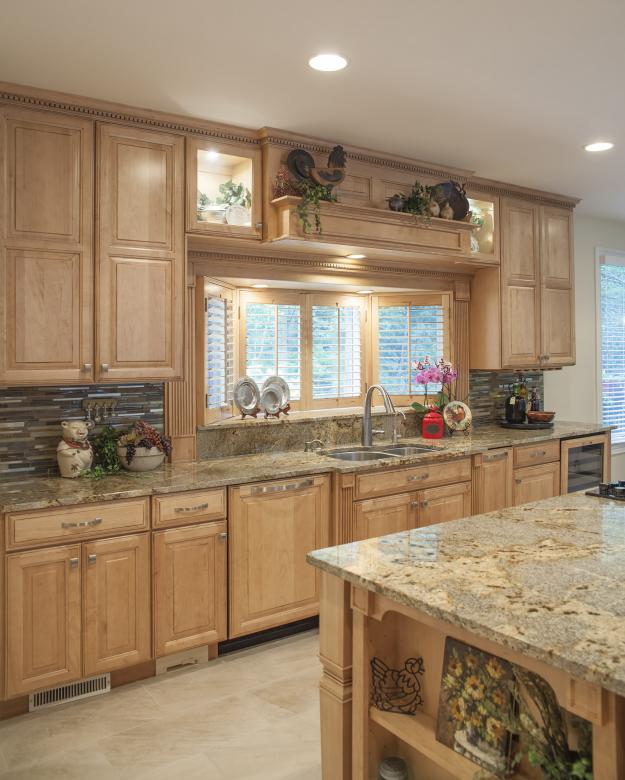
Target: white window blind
[[219, 352], [273, 343], [407, 333], [336, 351], [612, 290]]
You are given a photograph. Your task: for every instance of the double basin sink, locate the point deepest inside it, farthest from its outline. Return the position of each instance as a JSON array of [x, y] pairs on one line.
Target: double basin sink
[[374, 452]]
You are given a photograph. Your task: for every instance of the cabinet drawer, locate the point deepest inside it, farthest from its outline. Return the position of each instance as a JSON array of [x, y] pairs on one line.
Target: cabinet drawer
[[381, 483], [86, 521], [534, 454], [186, 508]]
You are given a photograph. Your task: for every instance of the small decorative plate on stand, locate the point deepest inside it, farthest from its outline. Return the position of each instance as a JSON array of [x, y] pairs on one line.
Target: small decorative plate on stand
[[457, 416], [277, 393], [247, 397]]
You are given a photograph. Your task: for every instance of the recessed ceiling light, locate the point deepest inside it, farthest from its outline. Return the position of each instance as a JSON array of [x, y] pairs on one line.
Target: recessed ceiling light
[[355, 257], [365, 292], [260, 286], [327, 62], [599, 146]]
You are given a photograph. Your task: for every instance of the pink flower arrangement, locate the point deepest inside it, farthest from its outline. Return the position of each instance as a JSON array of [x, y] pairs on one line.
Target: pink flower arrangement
[[440, 373]]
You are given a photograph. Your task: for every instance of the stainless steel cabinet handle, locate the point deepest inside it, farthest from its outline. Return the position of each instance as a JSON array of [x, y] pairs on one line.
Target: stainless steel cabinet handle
[[538, 453], [104, 367], [425, 503], [259, 490], [87, 366], [417, 478], [196, 508], [223, 535], [414, 504], [73, 563], [83, 523], [491, 458], [92, 558], [518, 481]]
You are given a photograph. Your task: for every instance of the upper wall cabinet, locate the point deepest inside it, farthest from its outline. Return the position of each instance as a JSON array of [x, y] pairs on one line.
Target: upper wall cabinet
[[140, 254], [523, 316], [224, 189], [46, 239], [485, 237]]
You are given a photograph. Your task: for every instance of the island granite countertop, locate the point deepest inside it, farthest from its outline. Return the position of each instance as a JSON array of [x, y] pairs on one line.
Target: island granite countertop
[[39, 493], [546, 579]]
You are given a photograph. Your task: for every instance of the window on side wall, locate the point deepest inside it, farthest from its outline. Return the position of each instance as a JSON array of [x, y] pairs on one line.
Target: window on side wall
[[611, 289]]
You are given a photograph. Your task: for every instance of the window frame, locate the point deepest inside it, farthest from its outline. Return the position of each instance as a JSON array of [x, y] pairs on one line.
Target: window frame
[[218, 289], [601, 254], [410, 299]]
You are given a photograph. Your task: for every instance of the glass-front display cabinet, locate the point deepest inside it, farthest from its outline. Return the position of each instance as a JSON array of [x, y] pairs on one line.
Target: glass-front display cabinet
[[224, 193], [485, 238]]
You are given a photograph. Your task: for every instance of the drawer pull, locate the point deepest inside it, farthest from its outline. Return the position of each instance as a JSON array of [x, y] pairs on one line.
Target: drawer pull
[[416, 478], [491, 458], [425, 503], [414, 504], [73, 563], [92, 558], [259, 490], [519, 481], [223, 535], [538, 453], [196, 508], [83, 524]]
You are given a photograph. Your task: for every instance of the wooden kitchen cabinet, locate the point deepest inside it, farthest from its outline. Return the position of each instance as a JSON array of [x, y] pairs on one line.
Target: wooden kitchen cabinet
[[43, 618], [535, 483], [140, 264], [381, 516], [116, 603], [190, 587], [271, 528], [492, 481], [46, 248], [441, 504], [557, 288]]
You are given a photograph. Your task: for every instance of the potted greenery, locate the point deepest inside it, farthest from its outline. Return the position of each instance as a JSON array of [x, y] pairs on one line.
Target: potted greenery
[[237, 200], [142, 447], [203, 202]]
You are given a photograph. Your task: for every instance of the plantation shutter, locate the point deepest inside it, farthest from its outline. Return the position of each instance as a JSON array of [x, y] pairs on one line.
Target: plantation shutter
[[273, 343], [336, 350], [612, 287], [408, 332], [219, 352]]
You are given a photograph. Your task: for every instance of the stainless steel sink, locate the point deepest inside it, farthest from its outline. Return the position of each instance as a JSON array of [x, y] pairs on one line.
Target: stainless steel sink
[[406, 450], [359, 454]]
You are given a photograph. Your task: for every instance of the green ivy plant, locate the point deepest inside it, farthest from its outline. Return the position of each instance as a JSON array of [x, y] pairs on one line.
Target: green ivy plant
[[105, 458], [418, 200], [232, 194], [312, 194]]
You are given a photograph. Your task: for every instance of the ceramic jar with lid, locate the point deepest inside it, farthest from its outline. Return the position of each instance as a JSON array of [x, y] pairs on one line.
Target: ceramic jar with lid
[[393, 768]]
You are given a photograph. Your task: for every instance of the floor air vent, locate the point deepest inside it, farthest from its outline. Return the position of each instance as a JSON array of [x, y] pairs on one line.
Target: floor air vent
[[64, 693]]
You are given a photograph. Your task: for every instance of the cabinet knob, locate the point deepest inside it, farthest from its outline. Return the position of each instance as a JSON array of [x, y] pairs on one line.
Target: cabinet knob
[[87, 366], [424, 503], [92, 558], [104, 367], [73, 563], [414, 504], [223, 536], [519, 481]]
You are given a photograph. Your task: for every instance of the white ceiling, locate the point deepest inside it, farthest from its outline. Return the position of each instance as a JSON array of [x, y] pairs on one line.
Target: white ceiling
[[509, 89]]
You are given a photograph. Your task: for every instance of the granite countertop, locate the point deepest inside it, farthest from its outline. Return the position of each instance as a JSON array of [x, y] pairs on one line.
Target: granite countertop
[[545, 579], [40, 493]]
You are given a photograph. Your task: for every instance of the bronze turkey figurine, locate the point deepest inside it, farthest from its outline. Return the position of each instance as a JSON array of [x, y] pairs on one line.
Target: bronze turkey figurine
[[302, 165], [397, 690]]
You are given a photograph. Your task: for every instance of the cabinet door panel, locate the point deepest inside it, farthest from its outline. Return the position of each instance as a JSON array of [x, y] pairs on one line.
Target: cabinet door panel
[[558, 327], [381, 516], [190, 588], [520, 334], [269, 536], [140, 263], [117, 603], [492, 481], [43, 619], [46, 253], [438, 505], [557, 245], [520, 240], [557, 291], [536, 483]]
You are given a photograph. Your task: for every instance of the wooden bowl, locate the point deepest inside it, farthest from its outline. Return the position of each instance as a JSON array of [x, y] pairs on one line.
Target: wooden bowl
[[540, 417]]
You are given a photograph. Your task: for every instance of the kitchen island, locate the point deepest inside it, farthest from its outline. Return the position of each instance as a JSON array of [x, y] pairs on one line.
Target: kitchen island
[[539, 585]]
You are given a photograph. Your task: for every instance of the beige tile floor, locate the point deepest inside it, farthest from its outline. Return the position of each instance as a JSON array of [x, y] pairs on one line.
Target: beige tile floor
[[250, 714]]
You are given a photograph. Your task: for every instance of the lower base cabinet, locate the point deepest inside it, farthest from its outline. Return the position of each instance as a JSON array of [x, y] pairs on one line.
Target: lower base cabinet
[[117, 617], [442, 504], [272, 526], [43, 618], [535, 483], [492, 481], [382, 516], [190, 587]]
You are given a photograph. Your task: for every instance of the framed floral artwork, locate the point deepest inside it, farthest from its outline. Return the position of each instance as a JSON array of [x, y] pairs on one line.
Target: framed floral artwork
[[475, 701]]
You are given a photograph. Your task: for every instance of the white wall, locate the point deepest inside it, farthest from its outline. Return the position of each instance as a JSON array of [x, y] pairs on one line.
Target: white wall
[[572, 392]]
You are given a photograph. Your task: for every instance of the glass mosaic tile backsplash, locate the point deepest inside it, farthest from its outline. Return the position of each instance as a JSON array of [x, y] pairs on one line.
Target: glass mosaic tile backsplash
[[30, 421]]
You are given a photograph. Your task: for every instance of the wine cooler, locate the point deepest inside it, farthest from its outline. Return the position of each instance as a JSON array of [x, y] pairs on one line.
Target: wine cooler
[[585, 462]]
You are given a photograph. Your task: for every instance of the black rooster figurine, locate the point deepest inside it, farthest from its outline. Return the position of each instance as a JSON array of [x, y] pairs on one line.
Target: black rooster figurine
[[397, 690], [302, 165]]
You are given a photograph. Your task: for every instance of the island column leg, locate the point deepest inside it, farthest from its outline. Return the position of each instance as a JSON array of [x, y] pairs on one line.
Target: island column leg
[[608, 740], [335, 690]]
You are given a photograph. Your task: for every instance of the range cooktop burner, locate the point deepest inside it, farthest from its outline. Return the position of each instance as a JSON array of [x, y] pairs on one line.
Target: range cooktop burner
[[613, 490]]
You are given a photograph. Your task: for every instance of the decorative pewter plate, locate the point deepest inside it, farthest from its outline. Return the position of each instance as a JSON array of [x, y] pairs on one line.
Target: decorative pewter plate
[[246, 396], [284, 387]]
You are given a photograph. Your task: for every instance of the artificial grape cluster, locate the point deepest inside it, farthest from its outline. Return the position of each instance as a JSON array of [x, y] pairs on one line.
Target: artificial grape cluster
[[143, 435]]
